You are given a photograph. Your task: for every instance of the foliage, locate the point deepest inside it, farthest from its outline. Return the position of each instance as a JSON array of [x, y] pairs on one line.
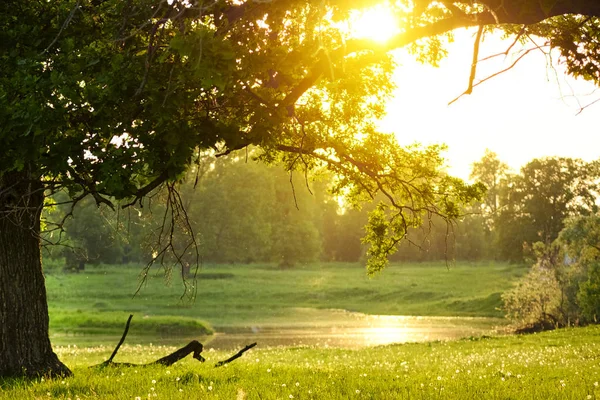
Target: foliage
[[563, 287], [231, 211], [113, 105], [490, 171], [114, 99], [581, 238], [535, 299], [532, 206], [551, 189], [589, 294]]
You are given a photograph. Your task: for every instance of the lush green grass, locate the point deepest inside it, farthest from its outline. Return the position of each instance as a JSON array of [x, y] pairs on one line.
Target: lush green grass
[[553, 365], [235, 295], [73, 322]]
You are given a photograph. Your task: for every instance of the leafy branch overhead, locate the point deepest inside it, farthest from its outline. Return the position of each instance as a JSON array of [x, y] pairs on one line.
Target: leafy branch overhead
[[113, 99]]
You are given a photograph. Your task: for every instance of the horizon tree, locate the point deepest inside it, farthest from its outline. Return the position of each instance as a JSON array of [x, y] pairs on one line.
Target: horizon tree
[[114, 99]]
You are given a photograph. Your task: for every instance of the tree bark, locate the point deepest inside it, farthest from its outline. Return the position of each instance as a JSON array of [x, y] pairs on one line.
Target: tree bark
[[25, 349]]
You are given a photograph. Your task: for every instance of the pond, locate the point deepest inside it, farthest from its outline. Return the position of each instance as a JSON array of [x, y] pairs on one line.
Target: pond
[[328, 328]]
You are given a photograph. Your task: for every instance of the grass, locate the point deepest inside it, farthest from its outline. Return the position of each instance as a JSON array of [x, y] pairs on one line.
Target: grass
[[562, 364], [74, 322], [239, 295]]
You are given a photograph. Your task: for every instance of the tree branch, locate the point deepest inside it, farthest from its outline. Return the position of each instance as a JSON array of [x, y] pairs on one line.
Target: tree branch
[[143, 191], [235, 356], [400, 40], [473, 64], [114, 353]]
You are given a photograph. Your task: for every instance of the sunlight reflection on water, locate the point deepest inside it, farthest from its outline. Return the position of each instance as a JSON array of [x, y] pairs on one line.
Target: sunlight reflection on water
[[370, 331], [327, 328]]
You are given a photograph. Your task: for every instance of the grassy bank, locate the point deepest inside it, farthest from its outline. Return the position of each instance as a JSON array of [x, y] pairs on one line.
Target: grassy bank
[[99, 299], [553, 365]]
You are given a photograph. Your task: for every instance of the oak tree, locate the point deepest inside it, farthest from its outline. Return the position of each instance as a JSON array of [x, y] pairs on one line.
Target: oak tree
[[112, 99]]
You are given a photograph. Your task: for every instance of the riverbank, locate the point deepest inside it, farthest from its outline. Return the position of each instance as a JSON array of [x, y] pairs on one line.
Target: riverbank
[[98, 300]]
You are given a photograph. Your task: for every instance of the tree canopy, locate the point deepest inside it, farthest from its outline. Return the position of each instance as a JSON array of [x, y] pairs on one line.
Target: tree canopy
[[113, 99]]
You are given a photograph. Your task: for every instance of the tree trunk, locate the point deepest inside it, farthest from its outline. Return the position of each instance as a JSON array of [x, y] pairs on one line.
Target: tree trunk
[[25, 348]]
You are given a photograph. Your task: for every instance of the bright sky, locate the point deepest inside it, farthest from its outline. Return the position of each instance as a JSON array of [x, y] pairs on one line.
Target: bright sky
[[525, 113]]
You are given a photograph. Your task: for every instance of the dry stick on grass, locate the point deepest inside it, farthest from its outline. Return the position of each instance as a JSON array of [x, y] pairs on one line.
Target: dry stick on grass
[[194, 347], [235, 356], [114, 353]]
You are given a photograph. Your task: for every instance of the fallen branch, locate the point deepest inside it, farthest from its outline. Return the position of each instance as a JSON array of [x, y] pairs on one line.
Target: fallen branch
[[194, 347], [235, 356], [114, 353]]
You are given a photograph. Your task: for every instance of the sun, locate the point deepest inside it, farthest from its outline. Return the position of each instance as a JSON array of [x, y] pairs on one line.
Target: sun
[[377, 23]]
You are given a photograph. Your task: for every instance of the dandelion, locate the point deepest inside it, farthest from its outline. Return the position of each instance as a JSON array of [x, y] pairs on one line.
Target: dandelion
[[357, 391], [153, 381], [439, 378], [177, 379], [589, 396], [209, 388], [596, 384], [291, 396], [297, 383], [168, 372], [138, 398], [268, 369]]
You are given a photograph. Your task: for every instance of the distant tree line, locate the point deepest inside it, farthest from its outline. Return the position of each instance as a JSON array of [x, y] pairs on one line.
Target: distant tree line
[[241, 211]]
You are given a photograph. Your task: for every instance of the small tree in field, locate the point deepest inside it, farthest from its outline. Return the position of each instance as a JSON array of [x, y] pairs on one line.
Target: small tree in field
[[112, 99]]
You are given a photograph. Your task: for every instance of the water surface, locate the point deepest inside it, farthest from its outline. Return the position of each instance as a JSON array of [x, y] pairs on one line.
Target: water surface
[[321, 328]]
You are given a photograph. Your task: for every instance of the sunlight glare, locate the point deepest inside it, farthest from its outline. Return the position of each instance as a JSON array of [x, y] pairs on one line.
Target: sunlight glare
[[384, 335], [376, 23]]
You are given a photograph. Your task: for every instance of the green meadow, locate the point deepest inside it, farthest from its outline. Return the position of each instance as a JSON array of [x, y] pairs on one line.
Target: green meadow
[[89, 309], [562, 364], [98, 300]]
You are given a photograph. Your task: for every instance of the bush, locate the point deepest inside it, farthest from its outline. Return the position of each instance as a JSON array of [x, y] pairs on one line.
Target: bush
[[535, 299]]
